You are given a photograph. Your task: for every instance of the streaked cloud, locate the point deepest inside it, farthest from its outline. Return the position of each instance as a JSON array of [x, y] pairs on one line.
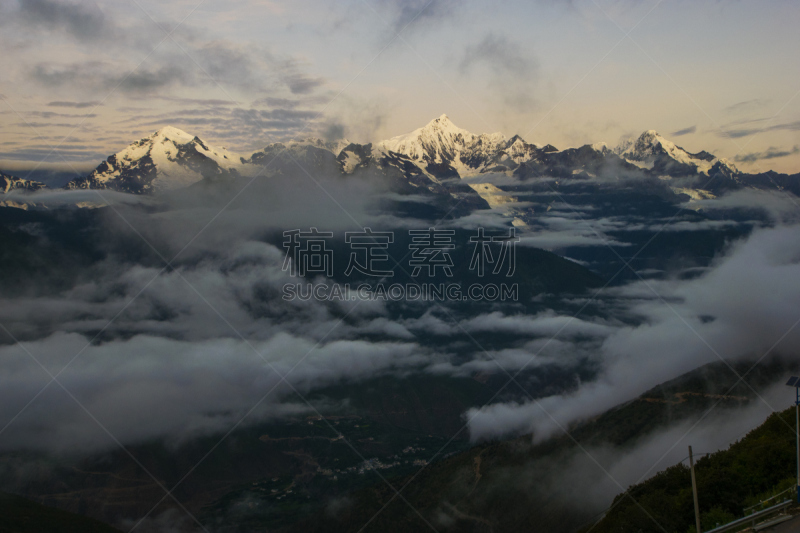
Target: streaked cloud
[[745, 132], [747, 105], [405, 15], [77, 105], [84, 21], [770, 153], [684, 131]]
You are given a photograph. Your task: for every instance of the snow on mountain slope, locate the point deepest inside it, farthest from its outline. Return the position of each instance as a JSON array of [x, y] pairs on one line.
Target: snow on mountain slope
[[311, 154], [725, 164], [441, 144], [518, 150], [335, 147], [494, 196], [166, 160], [437, 154], [694, 194], [652, 151], [354, 156], [10, 183]]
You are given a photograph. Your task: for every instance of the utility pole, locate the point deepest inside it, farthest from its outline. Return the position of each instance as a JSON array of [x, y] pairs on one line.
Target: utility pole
[[794, 381], [694, 491]]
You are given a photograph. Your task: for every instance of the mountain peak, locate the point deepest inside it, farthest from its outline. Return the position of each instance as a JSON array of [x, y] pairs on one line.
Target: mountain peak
[[171, 158], [646, 145], [173, 134], [650, 138], [442, 124], [9, 183], [168, 159], [652, 151], [444, 149]]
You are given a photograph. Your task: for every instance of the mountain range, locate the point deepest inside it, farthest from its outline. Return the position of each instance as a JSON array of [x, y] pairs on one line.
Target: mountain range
[[438, 153], [590, 218], [10, 183]]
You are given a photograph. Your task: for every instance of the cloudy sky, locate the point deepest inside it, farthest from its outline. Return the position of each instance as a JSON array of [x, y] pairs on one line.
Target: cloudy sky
[[83, 79]]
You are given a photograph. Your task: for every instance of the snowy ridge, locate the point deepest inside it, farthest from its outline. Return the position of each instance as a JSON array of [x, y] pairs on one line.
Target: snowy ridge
[[436, 155], [10, 183], [519, 151], [335, 147], [168, 159], [165, 144], [728, 165], [652, 151], [494, 196], [442, 142]]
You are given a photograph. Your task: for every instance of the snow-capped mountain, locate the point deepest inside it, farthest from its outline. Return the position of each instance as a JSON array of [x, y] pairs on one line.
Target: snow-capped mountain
[[444, 149], [355, 156], [435, 157], [166, 160], [311, 153], [298, 148], [653, 152], [10, 183], [441, 150], [171, 158]]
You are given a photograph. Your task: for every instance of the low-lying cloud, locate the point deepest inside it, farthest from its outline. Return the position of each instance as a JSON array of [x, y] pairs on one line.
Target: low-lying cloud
[[153, 387], [745, 306], [224, 284]]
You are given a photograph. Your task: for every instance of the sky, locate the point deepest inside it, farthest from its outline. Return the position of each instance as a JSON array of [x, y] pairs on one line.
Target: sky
[[81, 80], [200, 342]]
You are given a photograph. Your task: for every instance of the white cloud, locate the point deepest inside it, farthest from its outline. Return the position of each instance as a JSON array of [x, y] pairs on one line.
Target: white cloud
[[742, 307]]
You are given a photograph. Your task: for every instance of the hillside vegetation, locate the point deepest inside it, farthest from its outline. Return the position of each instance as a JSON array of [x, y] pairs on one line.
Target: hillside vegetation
[[727, 482]]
